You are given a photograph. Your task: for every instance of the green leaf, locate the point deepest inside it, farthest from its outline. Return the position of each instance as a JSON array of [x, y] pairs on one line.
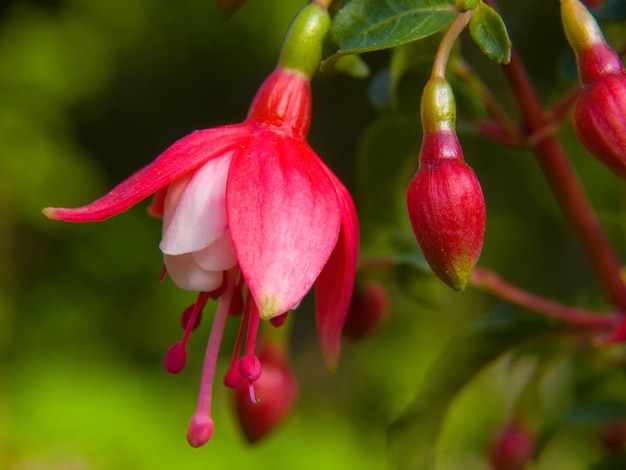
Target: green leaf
[[413, 436], [371, 25], [489, 31]]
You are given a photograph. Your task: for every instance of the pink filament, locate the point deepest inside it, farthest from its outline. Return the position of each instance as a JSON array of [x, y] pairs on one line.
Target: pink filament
[[233, 376], [201, 425]]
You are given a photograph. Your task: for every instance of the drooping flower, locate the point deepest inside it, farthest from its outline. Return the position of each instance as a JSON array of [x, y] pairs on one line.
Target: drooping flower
[[250, 215]]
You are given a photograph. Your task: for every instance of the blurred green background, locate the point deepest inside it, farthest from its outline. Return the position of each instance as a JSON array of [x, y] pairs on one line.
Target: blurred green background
[[91, 90]]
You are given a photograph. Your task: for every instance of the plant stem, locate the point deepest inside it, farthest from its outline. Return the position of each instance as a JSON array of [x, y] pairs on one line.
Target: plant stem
[[447, 43], [491, 282], [565, 184]]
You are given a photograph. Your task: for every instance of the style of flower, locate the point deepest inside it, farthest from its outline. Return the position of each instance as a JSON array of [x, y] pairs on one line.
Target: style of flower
[[253, 217]]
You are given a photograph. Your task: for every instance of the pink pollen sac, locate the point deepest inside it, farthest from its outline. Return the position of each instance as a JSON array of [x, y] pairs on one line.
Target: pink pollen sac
[[250, 367], [175, 358], [199, 431], [232, 379]]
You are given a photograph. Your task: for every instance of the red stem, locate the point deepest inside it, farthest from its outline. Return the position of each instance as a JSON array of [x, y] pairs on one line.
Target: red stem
[[491, 282]]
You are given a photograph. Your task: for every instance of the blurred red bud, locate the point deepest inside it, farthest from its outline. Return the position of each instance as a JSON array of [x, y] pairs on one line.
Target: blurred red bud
[[613, 437], [368, 309], [276, 392], [512, 447]]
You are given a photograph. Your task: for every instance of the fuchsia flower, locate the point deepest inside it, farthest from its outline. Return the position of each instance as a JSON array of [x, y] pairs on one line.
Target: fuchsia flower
[[250, 215]]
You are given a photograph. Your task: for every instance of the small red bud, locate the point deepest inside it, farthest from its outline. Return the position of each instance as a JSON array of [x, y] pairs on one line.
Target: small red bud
[[512, 447], [613, 437], [368, 309], [447, 209], [600, 119], [276, 392]]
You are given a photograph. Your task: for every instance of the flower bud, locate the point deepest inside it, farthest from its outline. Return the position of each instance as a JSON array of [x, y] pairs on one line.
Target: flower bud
[[600, 111], [512, 448], [276, 393], [368, 309], [444, 198], [600, 120], [613, 436]]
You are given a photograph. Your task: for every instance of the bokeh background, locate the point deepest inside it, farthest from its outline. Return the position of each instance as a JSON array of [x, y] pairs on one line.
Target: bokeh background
[[90, 91]]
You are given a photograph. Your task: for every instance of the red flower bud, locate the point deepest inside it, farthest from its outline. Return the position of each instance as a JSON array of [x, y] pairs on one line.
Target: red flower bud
[[368, 309], [276, 393], [600, 117], [444, 198], [512, 448], [447, 209], [600, 112]]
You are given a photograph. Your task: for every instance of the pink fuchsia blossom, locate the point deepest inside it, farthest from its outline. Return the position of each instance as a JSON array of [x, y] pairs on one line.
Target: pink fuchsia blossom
[[253, 217]]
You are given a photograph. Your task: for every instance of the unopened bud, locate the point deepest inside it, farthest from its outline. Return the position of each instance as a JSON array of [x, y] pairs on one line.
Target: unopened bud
[[276, 393], [368, 309], [512, 447], [447, 209], [600, 112]]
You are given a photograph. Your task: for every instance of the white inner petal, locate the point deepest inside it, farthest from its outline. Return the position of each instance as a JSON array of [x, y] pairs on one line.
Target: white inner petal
[[195, 208], [188, 275], [218, 256]]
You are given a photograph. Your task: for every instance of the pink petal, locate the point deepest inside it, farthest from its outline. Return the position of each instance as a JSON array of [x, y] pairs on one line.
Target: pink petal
[[182, 157], [195, 210], [284, 219], [334, 286]]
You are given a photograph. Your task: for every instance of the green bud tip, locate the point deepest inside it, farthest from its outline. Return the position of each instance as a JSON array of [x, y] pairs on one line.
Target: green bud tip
[[438, 107], [302, 47], [581, 29]]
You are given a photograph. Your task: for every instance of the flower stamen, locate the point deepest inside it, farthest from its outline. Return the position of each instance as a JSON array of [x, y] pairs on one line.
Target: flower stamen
[[176, 355], [201, 425], [233, 376]]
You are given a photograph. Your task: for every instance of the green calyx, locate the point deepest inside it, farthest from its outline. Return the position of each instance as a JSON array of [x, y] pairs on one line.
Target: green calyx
[[302, 47], [438, 108], [581, 29]]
